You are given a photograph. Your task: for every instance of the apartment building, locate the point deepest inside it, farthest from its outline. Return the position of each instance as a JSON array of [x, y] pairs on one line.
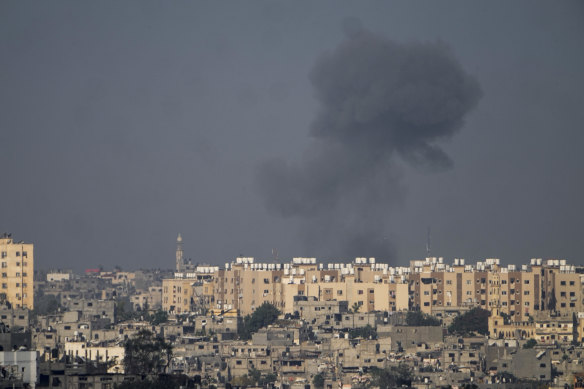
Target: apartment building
[[429, 285], [16, 272], [178, 295], [550, 285]]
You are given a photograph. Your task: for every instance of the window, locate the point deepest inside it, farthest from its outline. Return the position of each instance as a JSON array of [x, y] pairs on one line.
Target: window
[[24, 254], [448, 282], [562, 282], [18, 255], [360, 291], [4, 254], [571, 283], [4, 265], [339, 292], [526, 293], [4, 275], [4, 286]]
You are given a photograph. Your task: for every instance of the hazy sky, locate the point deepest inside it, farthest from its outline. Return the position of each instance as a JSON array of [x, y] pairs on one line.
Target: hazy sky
[[125, 123]]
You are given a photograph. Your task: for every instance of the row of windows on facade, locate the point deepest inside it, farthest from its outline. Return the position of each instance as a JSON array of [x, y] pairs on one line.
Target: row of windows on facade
[[266, 280], [503, 282], [18, 254], [5, 285], [5, 264], [5, 275]]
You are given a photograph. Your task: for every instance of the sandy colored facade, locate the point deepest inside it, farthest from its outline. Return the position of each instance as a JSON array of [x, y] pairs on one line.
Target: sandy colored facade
[[245, 285], [178, 295], [428, 285], [16, 273]]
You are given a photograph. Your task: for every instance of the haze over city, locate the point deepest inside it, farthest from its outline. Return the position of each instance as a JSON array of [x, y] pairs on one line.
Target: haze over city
[[123, 124]]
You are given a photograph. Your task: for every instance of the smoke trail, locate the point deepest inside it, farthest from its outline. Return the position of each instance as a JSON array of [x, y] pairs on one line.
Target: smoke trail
[[378, 98]]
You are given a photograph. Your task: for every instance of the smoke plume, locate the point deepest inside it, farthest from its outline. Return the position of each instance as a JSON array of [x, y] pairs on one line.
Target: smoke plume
[[378, 99]]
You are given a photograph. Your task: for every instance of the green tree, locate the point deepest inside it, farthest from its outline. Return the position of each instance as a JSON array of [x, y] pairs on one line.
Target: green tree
[[267, 379], [475, 320], [146, 354], [531, 343], [318, 381], [356, 307], [392, 377], [46, 304], [366, 332], [263, 316], [159, 317], [417, 318]]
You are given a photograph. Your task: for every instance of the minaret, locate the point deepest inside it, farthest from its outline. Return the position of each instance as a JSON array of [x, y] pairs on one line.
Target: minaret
[[179, 254]]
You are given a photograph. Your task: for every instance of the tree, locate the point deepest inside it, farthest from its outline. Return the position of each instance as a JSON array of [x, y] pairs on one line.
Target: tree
[[318, 381], [146, 354], [531, 343], [356, 307], [263, 316], [46, 304], [417, 318], [159, 317], [475, 320], [392, 377], [366, 332]]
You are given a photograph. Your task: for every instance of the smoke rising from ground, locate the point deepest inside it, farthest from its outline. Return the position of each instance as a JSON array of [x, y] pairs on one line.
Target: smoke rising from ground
[[378, 99]]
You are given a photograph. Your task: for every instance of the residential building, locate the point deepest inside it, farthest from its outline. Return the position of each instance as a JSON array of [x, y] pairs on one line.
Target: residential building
[[16, 272]]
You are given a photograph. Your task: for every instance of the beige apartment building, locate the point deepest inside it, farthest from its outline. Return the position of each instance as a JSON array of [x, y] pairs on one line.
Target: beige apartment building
[[429, 285], [245, 285], [178, 295], [16, 273], [518, 294]]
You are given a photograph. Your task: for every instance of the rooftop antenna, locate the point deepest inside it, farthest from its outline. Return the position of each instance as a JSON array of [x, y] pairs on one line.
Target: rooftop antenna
[[275, 254], [428, 243]]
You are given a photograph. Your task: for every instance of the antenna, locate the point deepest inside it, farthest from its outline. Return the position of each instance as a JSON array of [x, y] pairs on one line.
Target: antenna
[[428, 244]]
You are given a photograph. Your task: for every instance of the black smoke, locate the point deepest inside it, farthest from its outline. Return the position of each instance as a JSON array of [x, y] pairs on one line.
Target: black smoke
[[378, 99]]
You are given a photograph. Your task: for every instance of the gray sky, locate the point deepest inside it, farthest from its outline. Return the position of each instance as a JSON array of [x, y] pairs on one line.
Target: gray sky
[[124, 123]]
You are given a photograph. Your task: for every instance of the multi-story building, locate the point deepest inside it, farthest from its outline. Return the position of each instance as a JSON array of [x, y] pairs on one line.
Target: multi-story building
[[16, 272], [429, 285]]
